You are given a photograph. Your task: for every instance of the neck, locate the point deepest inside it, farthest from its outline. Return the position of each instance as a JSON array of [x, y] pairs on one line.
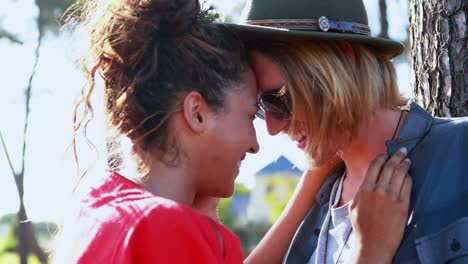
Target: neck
[[171, 182], [369, 142]]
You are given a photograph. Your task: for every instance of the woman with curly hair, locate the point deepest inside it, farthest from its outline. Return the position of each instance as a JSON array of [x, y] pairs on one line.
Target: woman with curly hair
[[170, 89]]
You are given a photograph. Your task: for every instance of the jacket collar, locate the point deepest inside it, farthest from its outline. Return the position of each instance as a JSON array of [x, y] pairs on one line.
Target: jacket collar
[[416, 126]]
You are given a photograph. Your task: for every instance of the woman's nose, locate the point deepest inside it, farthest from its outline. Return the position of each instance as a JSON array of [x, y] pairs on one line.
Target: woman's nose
[[255, 146]]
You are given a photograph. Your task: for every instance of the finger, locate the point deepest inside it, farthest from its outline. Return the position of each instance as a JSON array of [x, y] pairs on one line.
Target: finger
[[389, 168], [374, 170], [398, 177], [406, 191]]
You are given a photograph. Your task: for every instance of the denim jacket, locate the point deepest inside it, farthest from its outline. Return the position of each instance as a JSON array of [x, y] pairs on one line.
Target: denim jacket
[[437, 229]]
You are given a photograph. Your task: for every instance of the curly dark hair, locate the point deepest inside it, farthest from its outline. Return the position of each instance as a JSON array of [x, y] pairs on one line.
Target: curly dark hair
[[150, 53]]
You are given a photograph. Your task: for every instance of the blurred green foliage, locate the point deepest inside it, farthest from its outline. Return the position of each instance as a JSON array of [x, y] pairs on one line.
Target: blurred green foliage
[[9, 243], [224, 212], [241, 189], [209, 14], [51, 12], [11, 258], [224, 206]]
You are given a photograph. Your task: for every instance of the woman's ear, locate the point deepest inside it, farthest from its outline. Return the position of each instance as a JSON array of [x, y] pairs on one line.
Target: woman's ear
[[195, 111]]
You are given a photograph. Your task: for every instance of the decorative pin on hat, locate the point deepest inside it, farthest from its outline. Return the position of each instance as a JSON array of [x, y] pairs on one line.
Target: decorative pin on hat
[[323, 23]]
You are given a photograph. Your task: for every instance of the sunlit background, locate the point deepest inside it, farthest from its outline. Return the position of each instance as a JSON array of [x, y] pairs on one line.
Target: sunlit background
[[50, 170]]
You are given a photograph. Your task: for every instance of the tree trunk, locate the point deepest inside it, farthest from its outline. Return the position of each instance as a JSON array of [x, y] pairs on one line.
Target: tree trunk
[[27, 241], [23, 245], [439, 55], [383, 19]]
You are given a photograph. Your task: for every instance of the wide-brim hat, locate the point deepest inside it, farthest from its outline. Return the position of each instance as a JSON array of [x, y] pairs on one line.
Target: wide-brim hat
[[324, 20]]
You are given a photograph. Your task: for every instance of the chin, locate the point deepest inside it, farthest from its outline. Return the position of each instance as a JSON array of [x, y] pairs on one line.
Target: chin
[[230, 190], [228, 194], [225, 192]]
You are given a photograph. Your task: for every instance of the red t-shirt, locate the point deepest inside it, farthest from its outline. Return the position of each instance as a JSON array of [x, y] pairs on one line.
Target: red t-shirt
[[120, 222]]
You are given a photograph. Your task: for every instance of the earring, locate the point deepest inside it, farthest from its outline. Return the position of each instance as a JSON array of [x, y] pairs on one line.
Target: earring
[[340, 153]]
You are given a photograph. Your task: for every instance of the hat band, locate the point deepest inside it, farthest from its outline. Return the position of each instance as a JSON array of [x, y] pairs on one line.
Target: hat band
[[321, 24]]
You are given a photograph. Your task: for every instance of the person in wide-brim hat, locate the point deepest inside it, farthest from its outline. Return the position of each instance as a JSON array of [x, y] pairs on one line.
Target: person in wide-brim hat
[[325, 81], [314, 20]]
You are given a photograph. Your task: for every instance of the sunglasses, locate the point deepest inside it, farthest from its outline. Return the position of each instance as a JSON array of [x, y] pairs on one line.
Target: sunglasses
[[276, 102]]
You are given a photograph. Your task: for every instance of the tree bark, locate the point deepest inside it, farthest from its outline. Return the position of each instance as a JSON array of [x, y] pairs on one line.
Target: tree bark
[[439, 55]]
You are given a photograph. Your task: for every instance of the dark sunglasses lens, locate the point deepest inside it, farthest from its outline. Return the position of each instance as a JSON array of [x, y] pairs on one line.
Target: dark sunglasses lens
[[276, 105], [260, 113]]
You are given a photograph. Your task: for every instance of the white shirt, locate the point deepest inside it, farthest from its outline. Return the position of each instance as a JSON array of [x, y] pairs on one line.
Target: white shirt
[[336, 242]]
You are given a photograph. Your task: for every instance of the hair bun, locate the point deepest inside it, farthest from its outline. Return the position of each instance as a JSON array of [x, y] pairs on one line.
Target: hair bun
[[176, 16]]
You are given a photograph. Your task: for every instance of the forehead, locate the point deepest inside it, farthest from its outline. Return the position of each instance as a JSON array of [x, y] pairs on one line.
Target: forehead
[[246, 93], [268, 73], [250, 83]]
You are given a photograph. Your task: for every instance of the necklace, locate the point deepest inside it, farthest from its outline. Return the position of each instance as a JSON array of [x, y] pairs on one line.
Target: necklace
[[398, 124]]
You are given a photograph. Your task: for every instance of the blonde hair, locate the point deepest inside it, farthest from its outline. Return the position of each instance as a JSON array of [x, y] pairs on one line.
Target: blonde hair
[[337, 84]]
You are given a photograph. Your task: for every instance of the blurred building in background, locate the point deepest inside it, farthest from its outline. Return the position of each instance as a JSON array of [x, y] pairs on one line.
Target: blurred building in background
[[251, 212], [274, 185]]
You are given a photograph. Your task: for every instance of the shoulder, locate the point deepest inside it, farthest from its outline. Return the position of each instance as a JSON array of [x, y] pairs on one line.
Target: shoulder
[[450, 129], [128, 204], [425, 124], [119, 197], [447, 138], [450, 123]]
